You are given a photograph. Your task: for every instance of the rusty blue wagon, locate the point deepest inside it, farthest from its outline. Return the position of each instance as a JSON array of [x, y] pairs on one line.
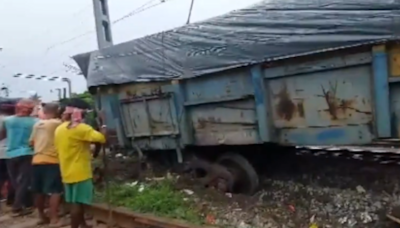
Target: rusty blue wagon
[[257, 76]]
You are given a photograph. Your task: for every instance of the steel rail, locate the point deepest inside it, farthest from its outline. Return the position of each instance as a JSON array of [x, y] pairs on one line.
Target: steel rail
[[124, 218]]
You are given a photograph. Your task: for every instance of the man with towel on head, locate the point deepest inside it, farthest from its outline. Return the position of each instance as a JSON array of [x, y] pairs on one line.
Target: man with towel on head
[[72, 140]]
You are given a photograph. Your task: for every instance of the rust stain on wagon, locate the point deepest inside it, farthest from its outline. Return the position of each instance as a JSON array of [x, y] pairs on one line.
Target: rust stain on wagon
[[287, 108], [138, 93], [203, 122], [339, 108], [133, 90]]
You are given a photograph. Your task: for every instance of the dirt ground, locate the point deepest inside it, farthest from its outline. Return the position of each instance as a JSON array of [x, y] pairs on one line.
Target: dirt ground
[[294, 198]]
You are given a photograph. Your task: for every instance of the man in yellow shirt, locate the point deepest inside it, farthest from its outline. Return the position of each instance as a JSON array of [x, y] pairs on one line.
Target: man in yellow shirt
[[46, 170], [72, 140]]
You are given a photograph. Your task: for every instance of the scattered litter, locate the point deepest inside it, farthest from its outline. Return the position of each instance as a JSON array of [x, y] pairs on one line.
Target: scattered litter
[[132, 184], [141, 188], [360, 189], [156, 179], [187, 191]]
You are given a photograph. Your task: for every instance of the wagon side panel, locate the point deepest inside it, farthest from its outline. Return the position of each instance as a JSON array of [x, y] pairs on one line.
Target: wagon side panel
[[148, 116], [221, 109], [326, 101]]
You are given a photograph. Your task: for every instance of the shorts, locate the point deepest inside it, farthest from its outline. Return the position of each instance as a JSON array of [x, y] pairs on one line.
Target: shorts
[[80, 192], [47, 179]]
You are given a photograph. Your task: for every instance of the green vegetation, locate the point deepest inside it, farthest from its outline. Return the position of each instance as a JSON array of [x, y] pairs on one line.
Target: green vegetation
[[86, 96], [35, 97], [158, 198]]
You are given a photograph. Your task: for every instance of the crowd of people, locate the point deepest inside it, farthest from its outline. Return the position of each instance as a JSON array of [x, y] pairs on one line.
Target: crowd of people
[[45, 156]]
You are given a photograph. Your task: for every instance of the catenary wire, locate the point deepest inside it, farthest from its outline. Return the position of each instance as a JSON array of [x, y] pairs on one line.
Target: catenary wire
[[136, 11], [146, 6]]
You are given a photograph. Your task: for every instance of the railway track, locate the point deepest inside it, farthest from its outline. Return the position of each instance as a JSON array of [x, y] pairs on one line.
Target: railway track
[[383, 154], [102, 216], [386, 153], [123, 218]]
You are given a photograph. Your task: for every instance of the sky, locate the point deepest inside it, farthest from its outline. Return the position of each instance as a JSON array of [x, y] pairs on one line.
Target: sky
[[39, 36]]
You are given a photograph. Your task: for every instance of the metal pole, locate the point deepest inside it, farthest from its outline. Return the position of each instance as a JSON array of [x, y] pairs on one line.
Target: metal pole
[[190, 12], [46, 78], [103, 24], [59, 93], [69, 86], [104, 40]]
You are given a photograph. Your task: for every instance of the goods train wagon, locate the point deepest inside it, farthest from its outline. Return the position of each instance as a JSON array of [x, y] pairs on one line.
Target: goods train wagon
[[343, 97]]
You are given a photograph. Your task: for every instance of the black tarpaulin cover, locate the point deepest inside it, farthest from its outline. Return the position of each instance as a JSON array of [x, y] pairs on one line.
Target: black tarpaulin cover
[[266, 31]]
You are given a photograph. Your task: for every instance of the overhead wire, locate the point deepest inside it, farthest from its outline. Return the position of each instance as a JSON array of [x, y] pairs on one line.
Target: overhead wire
[[71, 39], [134, 11], [83, 9], [66, 52], [142, 8], [146, 6], [78, 12]]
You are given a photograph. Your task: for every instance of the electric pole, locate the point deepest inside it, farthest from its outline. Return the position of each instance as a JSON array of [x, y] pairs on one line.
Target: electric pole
[[104, 40], [103, 24]]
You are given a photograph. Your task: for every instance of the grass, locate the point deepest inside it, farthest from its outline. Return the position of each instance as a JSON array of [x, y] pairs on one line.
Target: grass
[[157, 198]]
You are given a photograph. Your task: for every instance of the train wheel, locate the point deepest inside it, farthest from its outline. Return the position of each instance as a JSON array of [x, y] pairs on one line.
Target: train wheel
[[246, 178]]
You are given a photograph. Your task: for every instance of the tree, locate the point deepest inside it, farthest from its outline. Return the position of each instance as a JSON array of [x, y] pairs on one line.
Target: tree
[[82, 100], [35, 97], [86, 96]]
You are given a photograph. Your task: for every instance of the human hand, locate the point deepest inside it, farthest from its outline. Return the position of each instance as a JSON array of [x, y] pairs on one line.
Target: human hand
[[103, 129]]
